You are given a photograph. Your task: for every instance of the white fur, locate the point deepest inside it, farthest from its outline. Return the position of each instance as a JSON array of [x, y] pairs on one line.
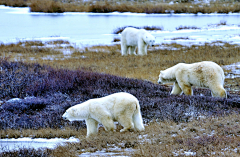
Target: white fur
[[201, 74], [121, 107], [133, 38]]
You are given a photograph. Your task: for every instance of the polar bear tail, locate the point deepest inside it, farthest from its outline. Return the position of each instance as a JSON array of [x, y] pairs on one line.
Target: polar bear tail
[[137, 119]]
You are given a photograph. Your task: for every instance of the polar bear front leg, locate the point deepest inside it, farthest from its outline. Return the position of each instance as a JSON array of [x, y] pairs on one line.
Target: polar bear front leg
[[176, 89], [124, 49], [142, 48], [92, 127]]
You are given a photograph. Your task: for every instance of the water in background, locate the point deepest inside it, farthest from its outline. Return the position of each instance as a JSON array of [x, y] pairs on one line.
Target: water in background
[[91, 28]]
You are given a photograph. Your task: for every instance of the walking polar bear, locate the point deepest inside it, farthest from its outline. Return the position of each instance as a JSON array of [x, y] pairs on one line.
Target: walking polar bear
[[122, 107], [201, 74], [133, 38]]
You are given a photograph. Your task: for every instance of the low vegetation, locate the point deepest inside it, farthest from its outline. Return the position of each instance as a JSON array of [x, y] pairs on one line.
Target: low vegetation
[[187, 27], [108, 59], [151, 28], [46, 87], [14, 3], [106, 6]]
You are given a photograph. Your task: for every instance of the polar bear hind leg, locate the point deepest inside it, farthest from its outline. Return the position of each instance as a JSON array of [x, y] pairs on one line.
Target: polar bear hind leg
[[176, 89], [137, 121], [92, 127], [125, 117], [218, 91], [126, 122]]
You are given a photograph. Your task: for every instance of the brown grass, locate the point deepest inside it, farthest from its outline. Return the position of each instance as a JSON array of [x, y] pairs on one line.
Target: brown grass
[[108, 59], [151, 28], [187, 27], [105, 6], [43, 133], [216, 136], [47, 6], [148, 7], [14, 3]]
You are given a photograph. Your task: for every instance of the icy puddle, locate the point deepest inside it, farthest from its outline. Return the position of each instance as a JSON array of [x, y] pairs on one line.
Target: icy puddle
[[15, 144], [40, 143]]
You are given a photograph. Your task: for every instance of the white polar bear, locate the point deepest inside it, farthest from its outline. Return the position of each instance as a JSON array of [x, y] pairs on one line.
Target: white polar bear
[[122, 107], [201, 74], [133, 38]]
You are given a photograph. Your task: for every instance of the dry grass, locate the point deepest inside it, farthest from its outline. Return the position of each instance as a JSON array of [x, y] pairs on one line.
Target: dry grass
[[216, 136], [105, 6], [147, 7], [151, 28], [108, 59], [14, 3], [48, 133], [187, 27], [46, 6]]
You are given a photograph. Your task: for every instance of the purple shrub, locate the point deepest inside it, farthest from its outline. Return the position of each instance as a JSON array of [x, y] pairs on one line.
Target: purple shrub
[[27, 152], [57, 90], [25, 105]]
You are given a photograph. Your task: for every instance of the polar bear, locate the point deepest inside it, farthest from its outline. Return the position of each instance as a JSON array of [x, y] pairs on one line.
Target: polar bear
[[122, 107], [132, 38], [201, 74]]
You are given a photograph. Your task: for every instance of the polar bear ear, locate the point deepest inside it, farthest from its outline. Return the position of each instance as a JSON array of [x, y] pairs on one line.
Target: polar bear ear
[[161, 72]]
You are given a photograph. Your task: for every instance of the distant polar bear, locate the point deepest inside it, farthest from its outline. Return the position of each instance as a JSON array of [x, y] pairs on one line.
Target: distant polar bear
[[133, 38], [201, 74], [122, 107]]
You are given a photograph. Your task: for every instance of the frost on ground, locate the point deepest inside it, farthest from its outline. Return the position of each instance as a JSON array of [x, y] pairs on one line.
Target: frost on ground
[[234, 70]]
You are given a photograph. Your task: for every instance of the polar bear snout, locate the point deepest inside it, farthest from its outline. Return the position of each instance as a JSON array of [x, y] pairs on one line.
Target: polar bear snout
[[159, 81], [64, 116], [151, 42]]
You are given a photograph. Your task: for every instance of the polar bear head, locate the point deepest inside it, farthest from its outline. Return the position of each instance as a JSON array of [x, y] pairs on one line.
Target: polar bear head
[[149, 39], [161, 79], [69, 114], [77, 112], [166, 77]]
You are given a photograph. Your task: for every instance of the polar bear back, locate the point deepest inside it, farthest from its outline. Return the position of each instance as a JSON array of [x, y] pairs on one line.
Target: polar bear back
[[202, 74], [113, 104], [130, 36]]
